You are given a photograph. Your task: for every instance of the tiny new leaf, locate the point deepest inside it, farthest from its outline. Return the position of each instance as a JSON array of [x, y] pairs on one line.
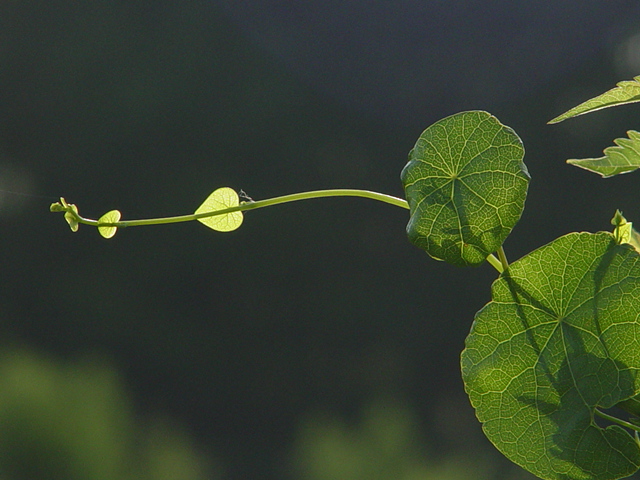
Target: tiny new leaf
[[623, 229], [623, 158], [110, 217], [466, 185], [624, 92], [221, 199], [72, 217], [560, 339]]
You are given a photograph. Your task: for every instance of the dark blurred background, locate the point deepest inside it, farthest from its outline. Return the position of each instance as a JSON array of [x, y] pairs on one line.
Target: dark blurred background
[[314, 343]]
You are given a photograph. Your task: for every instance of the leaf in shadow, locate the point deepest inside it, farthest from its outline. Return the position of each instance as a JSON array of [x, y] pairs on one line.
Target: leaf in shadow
[[560, 338]]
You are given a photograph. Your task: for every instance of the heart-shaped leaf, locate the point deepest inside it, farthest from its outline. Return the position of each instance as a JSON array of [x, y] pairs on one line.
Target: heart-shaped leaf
[[623, 93], [221, 199], [560, 338], [466, 186], [623, 158], [110, 217]]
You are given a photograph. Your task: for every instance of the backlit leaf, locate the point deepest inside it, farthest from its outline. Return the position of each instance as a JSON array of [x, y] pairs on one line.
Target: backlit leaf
[[221, 199], [560, 338], [623, 158], [623, 229], [466, 186], [72, 219], [70, 215], [625, 92], [110, 217]]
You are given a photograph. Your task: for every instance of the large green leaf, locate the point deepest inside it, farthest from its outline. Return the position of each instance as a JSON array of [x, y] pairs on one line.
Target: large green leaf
[[625, 92], [560, 338], [623, 158], [466, 185]]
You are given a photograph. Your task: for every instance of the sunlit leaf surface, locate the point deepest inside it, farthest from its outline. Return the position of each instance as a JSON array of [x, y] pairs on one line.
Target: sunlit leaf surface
[[71, 219], [623, 158], [466, 186], [560, 337], [625, 92], [109, 217], [221, 199]]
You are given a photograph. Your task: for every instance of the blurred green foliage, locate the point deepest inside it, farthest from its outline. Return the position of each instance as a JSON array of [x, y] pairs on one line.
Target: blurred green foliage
[[73, 420], [386, 444]]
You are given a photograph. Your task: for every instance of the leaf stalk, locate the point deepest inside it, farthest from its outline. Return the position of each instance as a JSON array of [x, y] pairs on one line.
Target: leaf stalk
[[616, 420], [503, 258], [495, 263]]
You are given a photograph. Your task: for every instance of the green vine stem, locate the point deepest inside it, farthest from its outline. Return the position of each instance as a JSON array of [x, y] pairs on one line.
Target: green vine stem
[[503, 258], [74, 218], [251, 205], [495, 263], [620, 422]]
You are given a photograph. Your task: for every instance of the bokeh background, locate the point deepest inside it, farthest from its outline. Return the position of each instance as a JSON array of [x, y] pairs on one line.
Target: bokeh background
[[314, 343]]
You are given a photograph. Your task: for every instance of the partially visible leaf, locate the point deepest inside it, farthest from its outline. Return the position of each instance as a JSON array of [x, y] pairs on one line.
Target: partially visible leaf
[[634, 239], [110, 217], [466, 185], [560, 338], [221, 199], [623, 158], [625, 92]]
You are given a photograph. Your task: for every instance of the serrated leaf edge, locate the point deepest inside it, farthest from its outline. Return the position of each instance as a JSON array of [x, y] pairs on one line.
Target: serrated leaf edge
[[621, 88], [624, 147]]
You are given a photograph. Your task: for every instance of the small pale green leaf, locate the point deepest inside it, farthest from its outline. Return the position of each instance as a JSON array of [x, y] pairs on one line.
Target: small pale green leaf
[[69, 216], [618, 219], [623, 158], [57, 207], [221, 199], [623, 229], [466, 185], [623, 233], [110, 217], [624, 92], [560, 338]]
